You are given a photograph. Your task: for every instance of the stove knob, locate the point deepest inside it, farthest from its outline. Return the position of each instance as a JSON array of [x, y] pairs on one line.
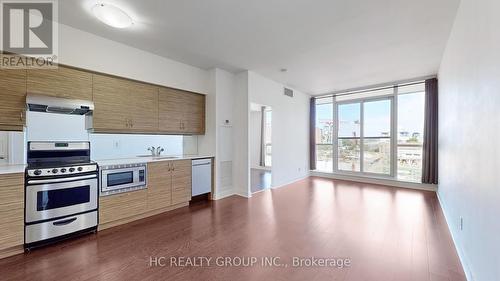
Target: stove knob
[[37, 172], [54, 171], [63, 170], [71, 170], [80, 169]]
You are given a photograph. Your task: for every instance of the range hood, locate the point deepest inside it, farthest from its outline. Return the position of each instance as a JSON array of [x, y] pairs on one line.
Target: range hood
[[41, 103]]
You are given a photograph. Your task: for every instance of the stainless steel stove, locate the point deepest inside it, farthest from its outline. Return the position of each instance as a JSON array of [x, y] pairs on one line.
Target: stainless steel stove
[[61, 192]]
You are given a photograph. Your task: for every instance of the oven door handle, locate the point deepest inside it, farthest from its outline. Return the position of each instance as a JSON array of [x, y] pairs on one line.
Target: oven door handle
[[62, 179], [64, 222]]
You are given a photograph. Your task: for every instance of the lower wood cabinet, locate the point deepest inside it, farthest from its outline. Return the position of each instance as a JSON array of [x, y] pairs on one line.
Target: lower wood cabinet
[[181, 181], [12, 212], [122, 206], [159, 185], [169, 187]]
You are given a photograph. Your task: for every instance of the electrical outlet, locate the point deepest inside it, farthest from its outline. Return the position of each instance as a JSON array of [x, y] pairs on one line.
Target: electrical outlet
[[116, 144], [461, 223]]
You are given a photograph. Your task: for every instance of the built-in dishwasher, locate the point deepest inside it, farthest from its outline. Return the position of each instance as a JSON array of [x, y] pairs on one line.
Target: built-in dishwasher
[[201, 176]]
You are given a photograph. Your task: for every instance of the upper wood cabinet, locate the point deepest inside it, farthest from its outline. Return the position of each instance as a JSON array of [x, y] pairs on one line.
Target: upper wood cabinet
[[12, 210], [12, 99], [62, 82], [124, 106], [181, 112]]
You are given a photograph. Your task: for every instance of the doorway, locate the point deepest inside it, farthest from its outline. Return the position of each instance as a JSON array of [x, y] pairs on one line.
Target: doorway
[[260, 147]]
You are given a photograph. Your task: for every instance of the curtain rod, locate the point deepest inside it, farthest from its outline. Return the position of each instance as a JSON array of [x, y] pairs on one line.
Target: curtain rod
[[378, 87]]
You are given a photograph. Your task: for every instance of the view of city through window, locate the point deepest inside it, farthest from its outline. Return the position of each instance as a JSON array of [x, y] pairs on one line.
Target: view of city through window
[[363, 140]]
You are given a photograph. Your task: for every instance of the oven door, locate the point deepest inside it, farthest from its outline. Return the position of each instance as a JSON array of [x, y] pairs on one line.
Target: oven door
[[49, 199]]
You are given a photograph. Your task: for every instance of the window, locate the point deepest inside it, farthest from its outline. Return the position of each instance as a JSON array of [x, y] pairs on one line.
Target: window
[[377, 136], [411, 103], [324, 134], [349, 137], [374, 132]]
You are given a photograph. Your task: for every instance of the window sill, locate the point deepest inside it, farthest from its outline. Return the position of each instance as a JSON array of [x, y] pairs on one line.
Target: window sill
[[375, 180]]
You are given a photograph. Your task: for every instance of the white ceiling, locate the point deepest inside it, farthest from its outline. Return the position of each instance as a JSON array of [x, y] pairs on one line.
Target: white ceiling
[[326, 45]]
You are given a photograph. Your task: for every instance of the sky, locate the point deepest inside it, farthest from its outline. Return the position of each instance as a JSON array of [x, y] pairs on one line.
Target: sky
[[377, 115]]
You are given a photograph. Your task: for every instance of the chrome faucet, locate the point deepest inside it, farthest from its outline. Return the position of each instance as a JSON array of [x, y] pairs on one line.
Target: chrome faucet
[[155, 152]]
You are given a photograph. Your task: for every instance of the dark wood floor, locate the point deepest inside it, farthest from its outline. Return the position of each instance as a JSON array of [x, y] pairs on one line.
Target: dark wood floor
[[259, 180], [388, 233]]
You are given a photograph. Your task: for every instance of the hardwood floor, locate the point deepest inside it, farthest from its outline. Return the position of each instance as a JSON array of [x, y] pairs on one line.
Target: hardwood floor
[[259, 180], [387, 233]]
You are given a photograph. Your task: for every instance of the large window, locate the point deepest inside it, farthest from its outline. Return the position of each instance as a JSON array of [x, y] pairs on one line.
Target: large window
[[411, 102], [375, 132], [324, 134]]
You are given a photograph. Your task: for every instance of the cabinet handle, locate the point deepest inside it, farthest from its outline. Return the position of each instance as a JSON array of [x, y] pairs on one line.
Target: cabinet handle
[[22, 116]]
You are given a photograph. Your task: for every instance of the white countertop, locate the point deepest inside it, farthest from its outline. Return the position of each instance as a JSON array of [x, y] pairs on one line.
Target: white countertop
[[11, 169], [137, 160], [14, 169]]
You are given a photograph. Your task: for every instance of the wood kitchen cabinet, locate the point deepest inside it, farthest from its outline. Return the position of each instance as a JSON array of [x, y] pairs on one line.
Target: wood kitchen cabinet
[[122, 206], [181, 181], [13, 99], [181, 112], [169, 183], [12, 210], [124, 106], [169, 187], [159, 185], [62, 82]]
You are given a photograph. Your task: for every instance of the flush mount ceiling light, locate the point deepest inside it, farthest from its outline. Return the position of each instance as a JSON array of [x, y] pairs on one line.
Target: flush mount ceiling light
[[112, 15]]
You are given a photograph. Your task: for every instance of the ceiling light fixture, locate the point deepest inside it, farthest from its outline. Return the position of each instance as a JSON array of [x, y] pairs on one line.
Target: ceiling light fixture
[[112, 15]]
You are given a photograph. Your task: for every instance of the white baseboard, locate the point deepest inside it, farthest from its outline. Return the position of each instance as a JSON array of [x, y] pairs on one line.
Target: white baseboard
[[293, 181], [389, 182], [461, 255]]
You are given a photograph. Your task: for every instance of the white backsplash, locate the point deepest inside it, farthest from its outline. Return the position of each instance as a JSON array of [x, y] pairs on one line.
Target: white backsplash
[[58, 127], [104, 146]]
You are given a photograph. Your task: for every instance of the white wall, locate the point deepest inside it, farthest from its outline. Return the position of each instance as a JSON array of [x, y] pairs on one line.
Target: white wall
[[469, 83], [226, 90], [290, 136], [85, 50], [255, 131], [241, 149]]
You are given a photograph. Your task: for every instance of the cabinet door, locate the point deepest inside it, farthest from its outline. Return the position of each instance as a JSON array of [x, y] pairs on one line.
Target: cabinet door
[[121, 206], [181, 181], [143, 101], [62, 82], [13, 102], [159, 185], [112, 104], [12, 210], [171, 110], [194, 114]]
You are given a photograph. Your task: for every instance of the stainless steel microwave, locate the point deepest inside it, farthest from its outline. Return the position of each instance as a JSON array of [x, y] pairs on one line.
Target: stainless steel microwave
[[123, 178]]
